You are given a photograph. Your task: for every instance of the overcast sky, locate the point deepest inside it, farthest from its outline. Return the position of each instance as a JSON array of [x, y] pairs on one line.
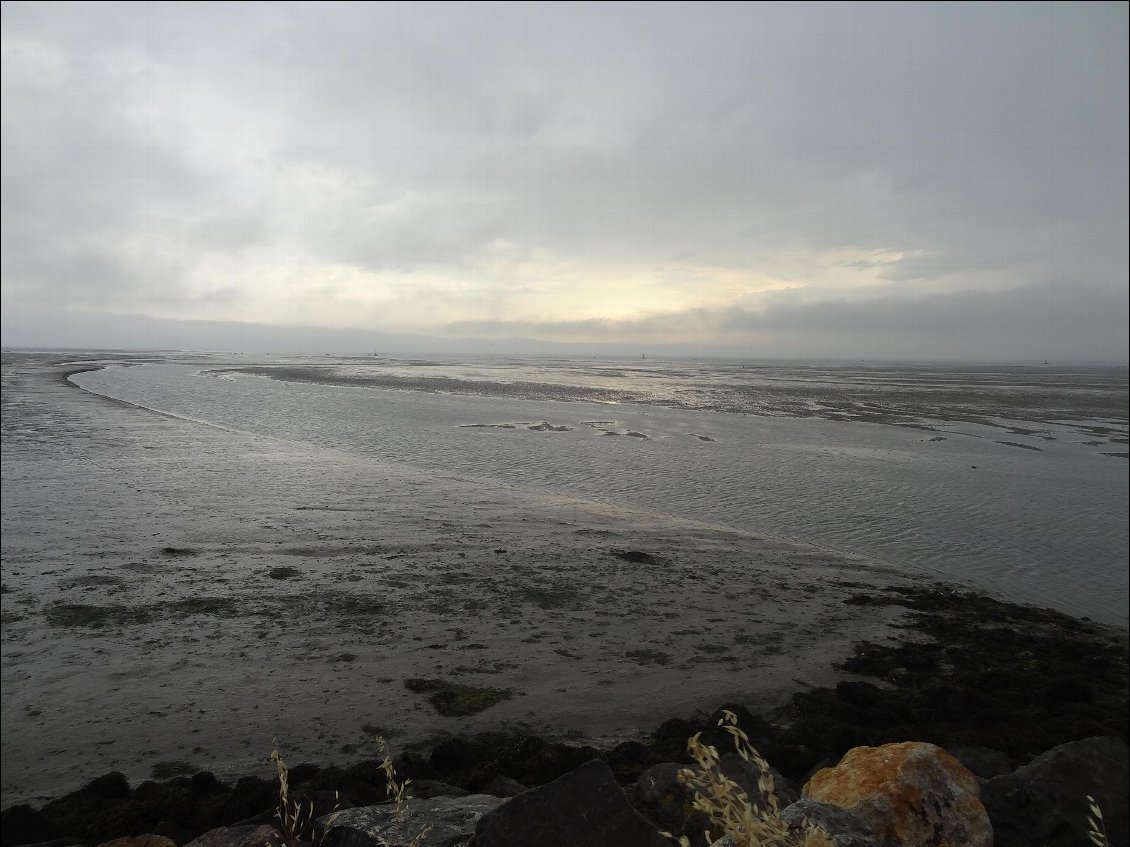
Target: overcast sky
[[926, 181]]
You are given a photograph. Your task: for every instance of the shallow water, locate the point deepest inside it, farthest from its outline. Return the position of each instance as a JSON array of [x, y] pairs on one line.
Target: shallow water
[[1000, 479]]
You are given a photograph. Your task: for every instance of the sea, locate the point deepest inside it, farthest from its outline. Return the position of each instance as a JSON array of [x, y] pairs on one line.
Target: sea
[[1007, 479]]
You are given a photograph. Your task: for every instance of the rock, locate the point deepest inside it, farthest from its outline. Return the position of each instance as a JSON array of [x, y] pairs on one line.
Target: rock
[[1045, 802], [673, 734], [503, 786], [984, 762], [147, 840], [111, 786], [907, 794], [661, 798], [637, 557], [583, 808], [754, 726], [250, 796], [205, 782], [263, 835], [425, 788], [844, 828], [628, 760], [458, 754], [408, 766], [23, 825], [747, 775], [451, 820]]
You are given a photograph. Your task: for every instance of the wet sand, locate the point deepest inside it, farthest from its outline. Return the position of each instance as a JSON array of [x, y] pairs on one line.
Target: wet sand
[[177, 593]]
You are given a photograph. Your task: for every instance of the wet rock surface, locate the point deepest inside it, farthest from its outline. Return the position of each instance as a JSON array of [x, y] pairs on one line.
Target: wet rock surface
[[1046, 801], [584, 808], [435, 822], [845, 828]]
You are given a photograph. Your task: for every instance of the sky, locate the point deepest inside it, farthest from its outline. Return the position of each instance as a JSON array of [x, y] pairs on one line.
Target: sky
[[922, 181]]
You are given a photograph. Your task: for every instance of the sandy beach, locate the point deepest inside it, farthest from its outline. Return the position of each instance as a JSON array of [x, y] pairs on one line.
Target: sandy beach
[[206, 590]]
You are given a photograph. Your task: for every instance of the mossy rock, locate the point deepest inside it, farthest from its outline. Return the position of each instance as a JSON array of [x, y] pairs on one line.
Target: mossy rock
[[453, 700]]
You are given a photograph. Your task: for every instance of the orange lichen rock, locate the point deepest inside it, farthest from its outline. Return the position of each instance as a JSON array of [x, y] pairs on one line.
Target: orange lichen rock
[[910, 795]]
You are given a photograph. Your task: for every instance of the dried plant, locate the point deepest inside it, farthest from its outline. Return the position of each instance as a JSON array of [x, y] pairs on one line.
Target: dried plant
[[1096, 826], [397, 792], [294, 818], [730, 811]]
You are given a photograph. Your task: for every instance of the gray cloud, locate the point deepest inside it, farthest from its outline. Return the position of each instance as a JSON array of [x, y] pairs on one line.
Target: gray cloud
[[1074, 321], [155, 157]]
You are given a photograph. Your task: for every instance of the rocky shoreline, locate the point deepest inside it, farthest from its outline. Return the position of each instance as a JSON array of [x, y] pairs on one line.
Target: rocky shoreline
[[996, 685]]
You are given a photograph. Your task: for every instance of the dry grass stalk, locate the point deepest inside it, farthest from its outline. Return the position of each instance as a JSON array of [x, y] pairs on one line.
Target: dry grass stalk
[[293, 818], [397, 792], [1096, 826], [730, 811]]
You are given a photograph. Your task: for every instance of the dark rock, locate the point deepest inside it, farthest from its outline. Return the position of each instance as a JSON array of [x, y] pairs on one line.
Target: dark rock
[[451, 820], [1045, 802], [844, 828], [408, 766], [635, 556], [111, 786], [628, 760], [23, 825], [251, 796], [147, 840], [502, 786], [175, 832], [660, 797], [263, 835], [155, 802], [549, 816], [983, 761], [303, 773], [672, 736], [458, 754], [333, 787], [425, 788], [748, 775], [754, 726], [206, 783]]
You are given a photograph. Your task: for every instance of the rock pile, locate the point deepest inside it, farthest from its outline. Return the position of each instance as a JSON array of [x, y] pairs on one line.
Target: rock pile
[[897, 795]]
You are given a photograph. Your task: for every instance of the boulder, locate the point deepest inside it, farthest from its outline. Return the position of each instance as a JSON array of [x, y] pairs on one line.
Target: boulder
[[747, 776], [425, 788], [502, 786], [983, 761], [263, 835], [843, 828], [110, 786], [583, 808], [147, 840], [1045, 801], [661, 798], [448, 821], [24, 825], [907, 794]]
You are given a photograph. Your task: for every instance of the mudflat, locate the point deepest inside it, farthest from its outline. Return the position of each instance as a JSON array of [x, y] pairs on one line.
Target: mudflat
[[176, 595]]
